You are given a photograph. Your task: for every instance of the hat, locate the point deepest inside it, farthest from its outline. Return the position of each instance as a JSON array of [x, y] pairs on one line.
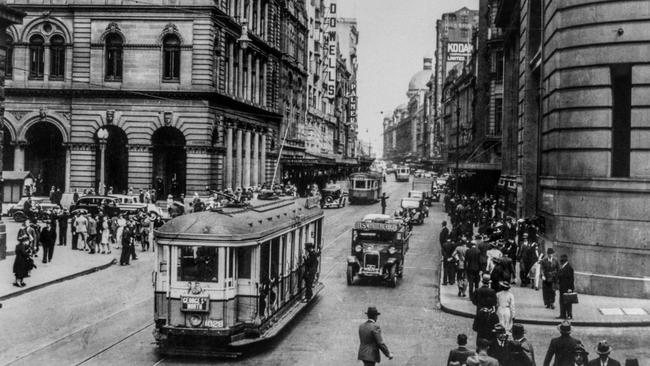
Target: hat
[[565, 327], [372, 311], [580, 349], [499, 329], [550, 251], [603, 348], [518, 330], [486, 278], [504, 285]]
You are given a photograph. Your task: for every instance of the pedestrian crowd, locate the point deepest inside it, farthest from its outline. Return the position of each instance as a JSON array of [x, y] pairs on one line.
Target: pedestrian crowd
[[482, 255], [92, 233]]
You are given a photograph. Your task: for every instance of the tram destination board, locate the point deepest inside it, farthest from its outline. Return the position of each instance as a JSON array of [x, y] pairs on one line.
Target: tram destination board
[[196, 304], [379, 226]]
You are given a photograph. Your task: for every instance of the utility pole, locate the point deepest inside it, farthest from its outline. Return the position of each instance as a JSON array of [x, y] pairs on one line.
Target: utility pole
[[457, 137]]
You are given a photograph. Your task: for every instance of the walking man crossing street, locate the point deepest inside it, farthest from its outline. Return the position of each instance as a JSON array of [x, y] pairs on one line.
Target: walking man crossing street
[[383, 198], [371, 341]]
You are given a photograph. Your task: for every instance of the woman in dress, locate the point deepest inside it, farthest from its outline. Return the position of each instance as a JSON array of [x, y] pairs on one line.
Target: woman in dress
[[22, 261], [505, 305], [106, 233], [121, 223]]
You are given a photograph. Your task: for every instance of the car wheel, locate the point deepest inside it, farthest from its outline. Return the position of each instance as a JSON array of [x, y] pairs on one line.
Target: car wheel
[[19, 216], [350, 275]]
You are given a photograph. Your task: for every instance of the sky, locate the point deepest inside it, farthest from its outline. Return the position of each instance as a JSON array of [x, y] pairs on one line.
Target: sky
[[394, 37]]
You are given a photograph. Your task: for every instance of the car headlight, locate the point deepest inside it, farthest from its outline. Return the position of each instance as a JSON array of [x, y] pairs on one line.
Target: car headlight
[[392, 250], [195, 320], [358, 248]]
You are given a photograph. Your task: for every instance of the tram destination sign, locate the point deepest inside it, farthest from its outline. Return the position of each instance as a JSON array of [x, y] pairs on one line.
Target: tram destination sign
[[379, 226], [196, 304]]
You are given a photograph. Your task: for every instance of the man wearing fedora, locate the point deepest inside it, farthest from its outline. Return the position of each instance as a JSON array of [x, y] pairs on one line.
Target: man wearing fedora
[[485, 296], [519, 336], [566, 281], [549, 268], [562, 347], [371, 341], [603, 350], [499, 347], [580, 355]]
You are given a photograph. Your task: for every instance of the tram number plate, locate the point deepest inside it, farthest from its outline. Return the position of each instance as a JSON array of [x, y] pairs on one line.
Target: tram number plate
[[195, 303], [214, 323]]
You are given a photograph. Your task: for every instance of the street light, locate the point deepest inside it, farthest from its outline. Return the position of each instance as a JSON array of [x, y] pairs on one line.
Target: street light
[[102, 136], [244, 39]]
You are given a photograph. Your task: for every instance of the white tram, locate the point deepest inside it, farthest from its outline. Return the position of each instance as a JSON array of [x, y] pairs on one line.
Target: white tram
[[227, 279]]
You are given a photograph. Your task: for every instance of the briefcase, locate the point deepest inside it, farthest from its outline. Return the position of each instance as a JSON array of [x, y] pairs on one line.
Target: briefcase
[[570, 298]]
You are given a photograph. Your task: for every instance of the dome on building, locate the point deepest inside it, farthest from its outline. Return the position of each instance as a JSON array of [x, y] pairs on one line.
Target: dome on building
[[421, 78]]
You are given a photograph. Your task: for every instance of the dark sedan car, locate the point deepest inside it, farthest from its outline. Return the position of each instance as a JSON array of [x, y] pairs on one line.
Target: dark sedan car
[[92, 204]]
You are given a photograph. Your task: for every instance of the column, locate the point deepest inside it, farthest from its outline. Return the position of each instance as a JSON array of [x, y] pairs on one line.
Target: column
[[262, 170], [255, 170], [68, 162], [247, 159], [263, 86], [238, 159], [19, 156], [228, 178], [240, 77], [258, 86], [259, 17]]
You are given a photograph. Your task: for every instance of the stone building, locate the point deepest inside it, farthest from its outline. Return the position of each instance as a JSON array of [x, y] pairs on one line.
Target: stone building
[[577, 78], [190, 95]]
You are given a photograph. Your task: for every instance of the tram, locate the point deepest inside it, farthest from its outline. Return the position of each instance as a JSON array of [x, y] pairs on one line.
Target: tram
[[364, 187], [402, 174], [230, 278]]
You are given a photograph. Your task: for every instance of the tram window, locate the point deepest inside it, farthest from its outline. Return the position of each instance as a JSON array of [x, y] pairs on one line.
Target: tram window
[[244, 261], [361, 184], [198, 264], [275, 256], [231, 262]]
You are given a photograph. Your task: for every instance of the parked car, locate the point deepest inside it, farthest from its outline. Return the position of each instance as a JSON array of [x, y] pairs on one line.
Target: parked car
[[92, 205], [333, 196], [41, 208], [129, 204]]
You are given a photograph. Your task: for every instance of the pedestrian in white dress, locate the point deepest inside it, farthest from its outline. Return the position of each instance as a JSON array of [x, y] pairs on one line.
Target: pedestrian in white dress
[[105, 244], [505, 306]]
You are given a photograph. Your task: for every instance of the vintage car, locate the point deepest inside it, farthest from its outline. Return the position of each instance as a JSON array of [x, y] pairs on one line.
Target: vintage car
[[41, 208], [416, 209], [130, 204], [333, 196], [379, 245]]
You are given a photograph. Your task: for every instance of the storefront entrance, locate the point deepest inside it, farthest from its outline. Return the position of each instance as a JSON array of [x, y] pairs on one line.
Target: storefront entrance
[[45, 157], [169, 162]]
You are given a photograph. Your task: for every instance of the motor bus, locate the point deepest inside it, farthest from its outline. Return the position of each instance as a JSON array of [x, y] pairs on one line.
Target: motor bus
[[402, 174], [229, 278], [364, 187]]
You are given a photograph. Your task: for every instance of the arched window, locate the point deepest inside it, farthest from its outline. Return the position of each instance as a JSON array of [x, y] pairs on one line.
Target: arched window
[[114, 47], [36, 51], [171, 58], [9, 63], [57, 58]]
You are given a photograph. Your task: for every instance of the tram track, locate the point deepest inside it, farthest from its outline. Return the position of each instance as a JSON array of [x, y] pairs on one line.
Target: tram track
[[105, 349]]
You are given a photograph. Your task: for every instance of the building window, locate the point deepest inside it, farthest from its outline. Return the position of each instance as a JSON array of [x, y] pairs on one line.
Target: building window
[[463, 19], [255, 17], [263, 20], [171, 58], [9, 63], [464, 33], [114, 46], [499, 67], [254, 84], [36, 51], [498, 115], [535, 27], [621, 124], [261, 86], [246, 76], [57, 58]]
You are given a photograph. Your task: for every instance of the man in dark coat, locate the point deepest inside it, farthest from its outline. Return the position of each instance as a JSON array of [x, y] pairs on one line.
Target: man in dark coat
[[521, 351], [383, 199], [484, 322], [473, 267], [499, 347], [525, 260], [603, 350], [566, 283], [62, 218], [48, 238], [311, 267], [448, 263], [371, 341], [461, 353], [562, 348], [549, 268], [485, 297], [484, 246], [444, 234], [127, 239]]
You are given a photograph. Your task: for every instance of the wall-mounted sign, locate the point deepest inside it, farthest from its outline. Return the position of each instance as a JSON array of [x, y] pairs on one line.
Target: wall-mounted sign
[[459, 51], [331, 42]]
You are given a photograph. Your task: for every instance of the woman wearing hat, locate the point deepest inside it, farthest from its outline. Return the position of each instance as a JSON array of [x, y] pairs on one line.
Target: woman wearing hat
[[22, 261], [505, 305]]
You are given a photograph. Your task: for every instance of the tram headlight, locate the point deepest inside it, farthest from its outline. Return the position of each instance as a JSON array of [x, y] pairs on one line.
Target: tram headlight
[[358, 248], [195, 320], [392, 250]]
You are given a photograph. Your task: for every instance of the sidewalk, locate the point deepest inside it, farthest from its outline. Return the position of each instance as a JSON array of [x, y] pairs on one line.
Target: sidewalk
[[66, 264], [596, 311]]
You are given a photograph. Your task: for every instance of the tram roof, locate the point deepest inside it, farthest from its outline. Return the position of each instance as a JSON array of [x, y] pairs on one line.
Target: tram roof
[[260, 221], [373, 175]]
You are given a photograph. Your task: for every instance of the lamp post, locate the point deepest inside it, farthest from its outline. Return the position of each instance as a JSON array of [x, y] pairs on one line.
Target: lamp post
[[244, 39], [102, 136]]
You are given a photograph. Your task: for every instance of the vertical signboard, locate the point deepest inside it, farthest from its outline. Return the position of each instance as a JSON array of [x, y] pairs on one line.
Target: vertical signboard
[[353, 102], [330, 41]]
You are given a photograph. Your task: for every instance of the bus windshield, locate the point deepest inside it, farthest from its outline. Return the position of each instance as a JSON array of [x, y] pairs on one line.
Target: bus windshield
[[374, 236], [197, 264], [360, 184]]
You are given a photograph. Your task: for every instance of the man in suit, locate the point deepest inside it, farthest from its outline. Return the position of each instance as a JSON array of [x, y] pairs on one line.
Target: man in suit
[[448, 264], [460, 354], [525, 263], [482, 358], [371, 341], [444, 234], [473, 267], [484, 246], [518, 335], [485, 297], [549, 267], [566, 281], [48, 238], [499, 347], [603, 350], [562, 347]]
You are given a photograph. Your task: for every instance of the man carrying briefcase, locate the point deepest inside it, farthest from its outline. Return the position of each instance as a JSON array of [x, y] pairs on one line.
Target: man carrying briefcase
[[567, 295]]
